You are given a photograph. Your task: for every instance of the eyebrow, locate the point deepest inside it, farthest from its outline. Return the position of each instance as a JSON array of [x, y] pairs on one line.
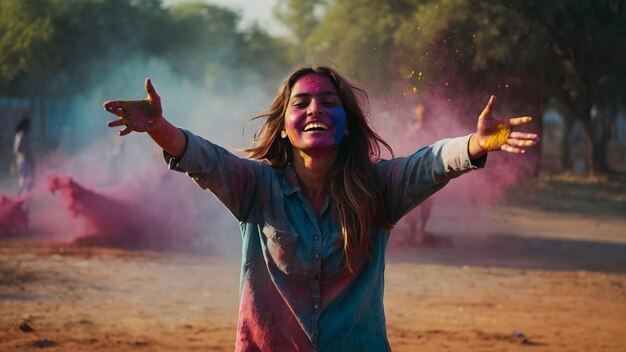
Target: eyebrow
[[325, 92]]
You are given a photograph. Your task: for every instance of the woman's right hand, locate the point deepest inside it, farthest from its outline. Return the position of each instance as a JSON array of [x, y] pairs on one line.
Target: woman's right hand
[[136, 115]]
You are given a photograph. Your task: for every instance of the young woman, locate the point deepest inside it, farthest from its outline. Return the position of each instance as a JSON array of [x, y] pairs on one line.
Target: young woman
[[315, 206]]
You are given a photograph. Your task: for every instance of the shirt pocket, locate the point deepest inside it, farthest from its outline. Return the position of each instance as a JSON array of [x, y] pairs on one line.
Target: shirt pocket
[[281, 247]]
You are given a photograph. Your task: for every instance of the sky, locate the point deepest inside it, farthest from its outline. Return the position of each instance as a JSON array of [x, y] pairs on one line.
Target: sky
[[250, 10]]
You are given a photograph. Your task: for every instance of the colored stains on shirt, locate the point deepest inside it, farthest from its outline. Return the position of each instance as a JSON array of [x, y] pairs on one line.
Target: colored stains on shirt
[[296, 294]]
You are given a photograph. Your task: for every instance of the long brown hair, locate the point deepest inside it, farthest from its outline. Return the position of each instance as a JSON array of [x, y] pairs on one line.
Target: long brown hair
[[354, 186]]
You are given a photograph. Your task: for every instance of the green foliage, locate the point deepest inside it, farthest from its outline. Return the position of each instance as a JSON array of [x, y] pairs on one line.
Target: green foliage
[[525, 52], [300, 16], [25, 31], [484, 45], [589, 52], [58, 48], [356, 36], [266, 55], [91, 35], [203, 38], [207, 47]]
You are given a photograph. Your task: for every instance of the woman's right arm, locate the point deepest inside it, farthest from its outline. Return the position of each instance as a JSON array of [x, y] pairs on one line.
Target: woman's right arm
[[232, 179]]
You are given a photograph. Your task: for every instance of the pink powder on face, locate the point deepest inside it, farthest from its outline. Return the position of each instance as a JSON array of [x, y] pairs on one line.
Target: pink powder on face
[[314, 99], [13, 216], [315, 83]]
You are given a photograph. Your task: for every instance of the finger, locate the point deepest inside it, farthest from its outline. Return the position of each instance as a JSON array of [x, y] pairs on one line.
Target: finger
[[516, 121], [511, 149], [152, 94], [125, 131], [121, 113], [521, 142], [487, 111], [116, 123], [116, 107], [112, 104], [523, 135]]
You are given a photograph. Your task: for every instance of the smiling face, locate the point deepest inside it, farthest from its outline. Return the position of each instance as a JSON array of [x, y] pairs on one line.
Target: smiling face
[[315, 119]]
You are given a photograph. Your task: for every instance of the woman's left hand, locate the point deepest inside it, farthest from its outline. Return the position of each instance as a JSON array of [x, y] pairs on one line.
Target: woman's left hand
[[495, 134]]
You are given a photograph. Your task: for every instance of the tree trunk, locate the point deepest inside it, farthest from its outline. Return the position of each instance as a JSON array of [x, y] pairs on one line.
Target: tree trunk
[[599, 154], [566, 161], [601, 138], [591, 159], [537, 124]]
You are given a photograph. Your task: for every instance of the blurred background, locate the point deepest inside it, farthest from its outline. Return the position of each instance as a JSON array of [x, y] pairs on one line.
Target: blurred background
[[528, 251], [562, 62], [429, 68]]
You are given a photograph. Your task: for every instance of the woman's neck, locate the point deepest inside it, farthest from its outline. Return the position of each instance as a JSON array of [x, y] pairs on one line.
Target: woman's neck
[[312, 171]]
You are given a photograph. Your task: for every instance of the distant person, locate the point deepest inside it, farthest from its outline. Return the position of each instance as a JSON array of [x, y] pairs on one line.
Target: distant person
[[579, 152], [315, 205], [418, 218], [24, 159]]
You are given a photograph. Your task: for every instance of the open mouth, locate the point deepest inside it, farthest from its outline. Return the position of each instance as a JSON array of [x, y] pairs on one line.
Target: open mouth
[[315, 126]]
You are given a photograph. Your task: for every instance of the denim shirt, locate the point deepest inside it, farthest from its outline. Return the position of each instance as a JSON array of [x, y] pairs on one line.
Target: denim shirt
[[295, 292]]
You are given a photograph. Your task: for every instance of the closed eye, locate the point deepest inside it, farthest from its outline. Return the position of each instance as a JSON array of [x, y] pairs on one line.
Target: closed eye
[[301, 103], [330, 103]]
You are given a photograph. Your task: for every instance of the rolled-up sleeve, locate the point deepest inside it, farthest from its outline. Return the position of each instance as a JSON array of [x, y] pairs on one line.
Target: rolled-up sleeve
[[408, 181]]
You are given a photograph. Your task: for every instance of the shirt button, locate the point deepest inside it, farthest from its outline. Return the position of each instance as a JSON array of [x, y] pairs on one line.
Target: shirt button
[[317, 255], [316, 306], [315, 238]]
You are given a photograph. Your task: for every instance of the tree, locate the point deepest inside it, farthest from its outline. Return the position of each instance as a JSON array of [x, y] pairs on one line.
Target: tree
[[300, 16], [265, 55], [463, 51], [204, 40], [357, 37], [589, 49], [26, 29], [570, 50]]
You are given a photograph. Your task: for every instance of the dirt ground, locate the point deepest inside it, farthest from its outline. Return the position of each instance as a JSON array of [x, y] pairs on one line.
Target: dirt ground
[[545, 273]]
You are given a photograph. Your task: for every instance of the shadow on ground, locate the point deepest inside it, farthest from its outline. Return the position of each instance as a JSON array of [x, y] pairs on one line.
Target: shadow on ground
[[512, 251], [565, 194]]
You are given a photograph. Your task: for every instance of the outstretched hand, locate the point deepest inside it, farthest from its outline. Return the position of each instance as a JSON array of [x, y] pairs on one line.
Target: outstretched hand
[[496, 134], [136, 115]]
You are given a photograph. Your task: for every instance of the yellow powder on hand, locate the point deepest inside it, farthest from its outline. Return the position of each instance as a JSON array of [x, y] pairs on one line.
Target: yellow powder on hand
[[498, 139]]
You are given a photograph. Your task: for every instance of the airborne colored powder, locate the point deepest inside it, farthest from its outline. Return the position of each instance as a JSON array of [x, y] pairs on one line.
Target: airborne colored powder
[[13, 216], [101, 214], [109, 221]]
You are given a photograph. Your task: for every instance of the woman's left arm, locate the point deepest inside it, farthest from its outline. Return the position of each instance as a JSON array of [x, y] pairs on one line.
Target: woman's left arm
[[495, 134], [409, 180]]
